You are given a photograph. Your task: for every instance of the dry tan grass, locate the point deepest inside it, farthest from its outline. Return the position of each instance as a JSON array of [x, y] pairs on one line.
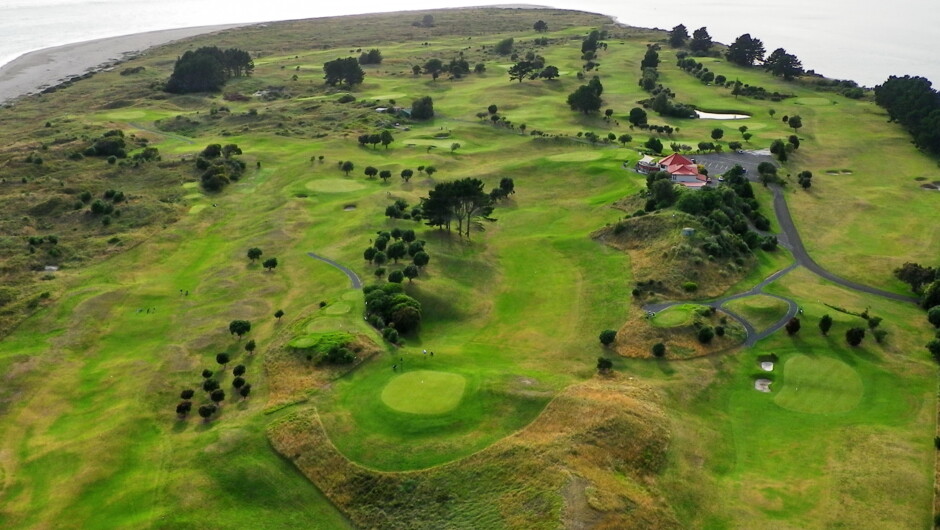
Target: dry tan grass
[[636, 338], [591, 458]]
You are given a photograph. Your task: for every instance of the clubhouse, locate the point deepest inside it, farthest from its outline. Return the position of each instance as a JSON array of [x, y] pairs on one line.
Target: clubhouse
[[683, 170]]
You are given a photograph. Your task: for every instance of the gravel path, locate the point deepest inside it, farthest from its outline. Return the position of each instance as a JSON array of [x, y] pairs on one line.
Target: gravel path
[[353, 277]]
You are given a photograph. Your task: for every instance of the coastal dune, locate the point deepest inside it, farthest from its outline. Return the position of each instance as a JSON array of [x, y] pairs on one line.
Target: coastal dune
[[32, 72]]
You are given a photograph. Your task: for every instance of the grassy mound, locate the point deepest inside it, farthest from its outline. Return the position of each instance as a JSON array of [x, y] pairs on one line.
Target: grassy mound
[[678, 315], [424, 392], [665, 262], [762, 311], [677, 327], [819, 385], [590, 459]]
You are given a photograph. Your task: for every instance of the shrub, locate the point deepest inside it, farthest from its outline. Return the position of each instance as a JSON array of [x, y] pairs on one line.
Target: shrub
[[607, 337], [706, 334], [854, 336], [659, 349], [690, 287]]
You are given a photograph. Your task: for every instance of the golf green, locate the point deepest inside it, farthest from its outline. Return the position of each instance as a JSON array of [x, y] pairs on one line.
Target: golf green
[[679, 315], [819, 385], [424, 392]]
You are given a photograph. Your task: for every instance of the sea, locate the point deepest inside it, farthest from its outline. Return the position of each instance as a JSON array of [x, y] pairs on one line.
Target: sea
[[862, 40]]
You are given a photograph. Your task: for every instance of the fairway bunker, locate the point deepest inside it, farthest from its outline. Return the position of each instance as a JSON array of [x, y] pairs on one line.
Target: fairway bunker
[[424, 392], [762, 385], [767, 366], [334, 185], [349, 207]]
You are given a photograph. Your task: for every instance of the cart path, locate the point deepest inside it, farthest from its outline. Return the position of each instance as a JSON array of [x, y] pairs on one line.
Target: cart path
[[353, 277]]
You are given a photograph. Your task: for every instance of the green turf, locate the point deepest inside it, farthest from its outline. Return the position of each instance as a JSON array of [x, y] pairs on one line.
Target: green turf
[[424, 392], [678, 315], [760, 310], [818, 386]]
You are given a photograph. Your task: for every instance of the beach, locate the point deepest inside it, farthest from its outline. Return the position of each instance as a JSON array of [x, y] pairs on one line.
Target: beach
[[34, 71]]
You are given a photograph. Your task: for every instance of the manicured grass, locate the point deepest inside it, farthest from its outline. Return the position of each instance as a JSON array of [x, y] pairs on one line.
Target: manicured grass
[[761, 310], [818, 386], [424, 392], [679, 315]]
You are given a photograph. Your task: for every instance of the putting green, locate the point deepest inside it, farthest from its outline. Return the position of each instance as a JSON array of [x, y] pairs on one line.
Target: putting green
[[334, 185], [126, 115], [338, 308], [424, 392], [576, 156], [819, 385], [678, 315]]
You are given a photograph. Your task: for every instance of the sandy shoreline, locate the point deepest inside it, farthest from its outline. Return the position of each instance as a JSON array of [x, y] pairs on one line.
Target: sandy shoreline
[[31, 72]]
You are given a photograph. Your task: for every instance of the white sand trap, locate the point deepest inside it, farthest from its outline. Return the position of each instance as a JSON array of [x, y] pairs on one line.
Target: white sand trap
[[718, 116], [767, 366], [349, 207], [762, 385]]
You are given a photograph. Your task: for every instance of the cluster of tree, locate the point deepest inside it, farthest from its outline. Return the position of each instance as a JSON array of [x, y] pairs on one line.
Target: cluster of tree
[[782, 149], [385, 138], [924, 281], [392, 311], [724, 212], [663, 103], [400, 210], [457, 68], [532, 68], [746, 51], [651, 59], [805, 178], [678, 36], [783, 64], [587, 98], [855, 334], [505, 46], [701, 42], [207, 69], [346, 71], [462, 201], [254, 254], [700, 71], [422, 108], [395, 245], [373, 56], [592, 43], [912, 102], [212, 389], [109, 144], [219, 166], [541, 26]]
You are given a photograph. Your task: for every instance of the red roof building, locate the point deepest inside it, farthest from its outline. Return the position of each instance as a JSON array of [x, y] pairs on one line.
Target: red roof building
[[683, 170]]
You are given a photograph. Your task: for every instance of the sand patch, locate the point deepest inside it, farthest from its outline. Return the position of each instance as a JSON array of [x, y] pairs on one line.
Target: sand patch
[[767, 366], [762, 385]]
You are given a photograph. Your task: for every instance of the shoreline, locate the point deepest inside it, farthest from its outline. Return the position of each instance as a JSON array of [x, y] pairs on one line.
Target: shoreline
[[33, 72]]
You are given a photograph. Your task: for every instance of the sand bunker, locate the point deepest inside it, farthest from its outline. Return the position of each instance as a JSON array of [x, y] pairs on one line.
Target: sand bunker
[[720, 116], [349, 207], [767, 366], [762, 385]]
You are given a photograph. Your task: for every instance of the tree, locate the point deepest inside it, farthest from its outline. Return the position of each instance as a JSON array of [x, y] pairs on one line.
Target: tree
[[624, 139], [380, 258], [651, 58], [406, 174], [373, 56], [783, 64], [206, 411], [245, 390], [422, 108], [805, 178], [825, 324], [345, 71], [585, 99], [549, 72], [504, 47], [717, 133], [209, 385], [678, 35], [187, 394], [607, 337], [664, 193], [747, 137], [540, 26], [183, 408], [238, 382], [795, 123], [706, 334], [397, 250], [217, 396], [207, 69], [701, 40], [854, 336], [420, 259], [654, 144], [793, 326], [933, 316], [521, 70], [371, 172], [239, 370], [206, 374], [239, 327], [745, 50], [410, 272], [917, 276], [222, 358], [934, 348], [250, 346], [659, 349], [385, 174], [430, 170], [454, 146], [386, 138], [254, 253], [637, 116], [346, 167], [604, 365], [396, 277]]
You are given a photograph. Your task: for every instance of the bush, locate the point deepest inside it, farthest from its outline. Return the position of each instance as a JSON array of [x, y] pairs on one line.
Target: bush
[[346, 98], [933, 316], [659, 349], [690, 287], [706, 334], [607, 337]]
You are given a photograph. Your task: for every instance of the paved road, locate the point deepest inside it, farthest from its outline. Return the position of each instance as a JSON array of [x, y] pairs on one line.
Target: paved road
[[353, 277]]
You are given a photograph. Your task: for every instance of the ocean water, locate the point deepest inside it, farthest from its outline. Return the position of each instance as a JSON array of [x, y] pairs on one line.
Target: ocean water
[[848, 39]]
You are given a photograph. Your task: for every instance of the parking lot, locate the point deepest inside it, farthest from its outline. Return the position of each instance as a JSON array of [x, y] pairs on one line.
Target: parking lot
[[718, 163]]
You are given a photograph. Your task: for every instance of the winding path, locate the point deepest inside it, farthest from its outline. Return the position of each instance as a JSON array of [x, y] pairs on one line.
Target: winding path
[[789, 238], [353, 277]]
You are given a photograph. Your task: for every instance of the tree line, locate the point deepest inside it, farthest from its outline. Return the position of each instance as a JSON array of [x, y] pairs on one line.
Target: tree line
[[207, 69], [462, 201], [912, 102]]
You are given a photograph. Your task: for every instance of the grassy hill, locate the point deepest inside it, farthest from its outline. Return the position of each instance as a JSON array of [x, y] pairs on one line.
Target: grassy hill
[[508, 424]]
